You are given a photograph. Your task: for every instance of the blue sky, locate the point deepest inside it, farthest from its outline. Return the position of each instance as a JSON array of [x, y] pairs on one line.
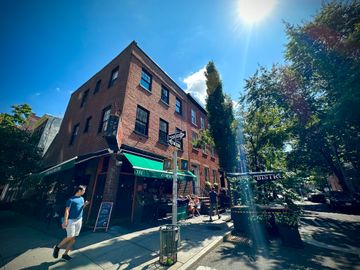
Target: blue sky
[[50, 48]]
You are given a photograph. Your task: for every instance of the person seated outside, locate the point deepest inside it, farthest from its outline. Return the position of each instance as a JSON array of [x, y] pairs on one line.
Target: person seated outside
[[191, 206], [197, 205]]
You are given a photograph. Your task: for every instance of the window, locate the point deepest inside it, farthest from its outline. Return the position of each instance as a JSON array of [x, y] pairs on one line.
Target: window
[[202, 123], [104, 119], [214, 176], [87, 124], [206, 172], [84, 98], [193, 117], [194, 138], [97, 86], [114, 76], [145, 80], [178, 105], [180, 141], [165, 95], [163, 131], [212, 149], [142, 121], [74, 133], [204, 149]]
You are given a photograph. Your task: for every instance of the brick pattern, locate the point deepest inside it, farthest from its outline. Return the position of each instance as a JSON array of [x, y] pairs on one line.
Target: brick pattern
[[197, 156], [112, 178], [124, 97]]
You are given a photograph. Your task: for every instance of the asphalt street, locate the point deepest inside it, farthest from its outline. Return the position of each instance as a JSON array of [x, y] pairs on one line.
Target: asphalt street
[[331, 241]]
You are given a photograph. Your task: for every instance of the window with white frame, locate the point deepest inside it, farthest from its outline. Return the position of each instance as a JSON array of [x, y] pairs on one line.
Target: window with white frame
[[214, 176], [178, 106], [74, 133], [164, 95], [193, 116], [104, 119], [146, 80], [194, 138], [163, 131], [202, 123], [212, 149], [142, 120], [206, 173], [114, 76]]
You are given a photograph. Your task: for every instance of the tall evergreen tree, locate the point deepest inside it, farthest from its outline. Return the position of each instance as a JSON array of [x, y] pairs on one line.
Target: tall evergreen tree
[[221, 118]]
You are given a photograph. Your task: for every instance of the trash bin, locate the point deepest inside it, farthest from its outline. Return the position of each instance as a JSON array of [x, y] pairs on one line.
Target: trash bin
[[169, 238]]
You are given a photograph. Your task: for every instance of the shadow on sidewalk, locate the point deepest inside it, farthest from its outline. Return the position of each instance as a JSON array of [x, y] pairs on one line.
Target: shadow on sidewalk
[[127, 247]]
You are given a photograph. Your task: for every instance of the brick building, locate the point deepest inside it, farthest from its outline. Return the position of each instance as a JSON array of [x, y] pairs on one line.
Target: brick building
[[113, 138]]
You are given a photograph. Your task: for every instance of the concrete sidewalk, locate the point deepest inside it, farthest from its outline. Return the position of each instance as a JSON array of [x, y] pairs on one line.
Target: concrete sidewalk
[[28, 247]]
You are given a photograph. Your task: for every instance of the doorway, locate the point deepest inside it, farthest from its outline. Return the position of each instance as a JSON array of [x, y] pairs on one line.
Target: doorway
[[196, 187], [124, 196], [98, 196]]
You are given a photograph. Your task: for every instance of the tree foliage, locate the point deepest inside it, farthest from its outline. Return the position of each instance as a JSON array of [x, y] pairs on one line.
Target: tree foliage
[[221, 118], [18, 148], [266, 129], [314, 101]]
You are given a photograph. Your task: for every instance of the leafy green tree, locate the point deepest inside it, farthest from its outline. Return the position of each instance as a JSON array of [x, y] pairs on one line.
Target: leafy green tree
[[19, 153], [221, 119], [310, 105], [324, 57], [266, 127]]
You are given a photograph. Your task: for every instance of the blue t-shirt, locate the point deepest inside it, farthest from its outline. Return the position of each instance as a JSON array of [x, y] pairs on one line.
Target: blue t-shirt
[[76, 204]]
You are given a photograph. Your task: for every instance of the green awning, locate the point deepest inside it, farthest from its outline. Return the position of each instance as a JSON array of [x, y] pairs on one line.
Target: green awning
[[68, 164], [145, 167]]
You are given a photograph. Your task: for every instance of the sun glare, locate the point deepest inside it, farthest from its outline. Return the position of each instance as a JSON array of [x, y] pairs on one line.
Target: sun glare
[[253, 11]]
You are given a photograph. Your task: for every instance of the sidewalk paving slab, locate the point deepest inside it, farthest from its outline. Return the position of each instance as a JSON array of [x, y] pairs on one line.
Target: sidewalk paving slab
[[116, 249]]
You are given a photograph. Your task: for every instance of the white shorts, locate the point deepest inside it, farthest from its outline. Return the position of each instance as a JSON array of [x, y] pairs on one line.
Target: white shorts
[[73, 228]]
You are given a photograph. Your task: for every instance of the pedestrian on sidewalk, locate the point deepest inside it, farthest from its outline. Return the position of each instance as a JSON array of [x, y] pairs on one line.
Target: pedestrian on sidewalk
[[72, 221], [213, 203]]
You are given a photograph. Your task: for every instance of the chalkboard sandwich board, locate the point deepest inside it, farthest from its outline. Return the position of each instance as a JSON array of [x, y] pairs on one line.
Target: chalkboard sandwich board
[[103, 217]]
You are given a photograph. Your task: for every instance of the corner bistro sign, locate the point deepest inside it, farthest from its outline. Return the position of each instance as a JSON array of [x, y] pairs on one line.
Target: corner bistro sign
[[260, 177]]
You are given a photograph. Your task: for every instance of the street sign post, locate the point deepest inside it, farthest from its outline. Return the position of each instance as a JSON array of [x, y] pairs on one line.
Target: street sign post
[[175, 140]]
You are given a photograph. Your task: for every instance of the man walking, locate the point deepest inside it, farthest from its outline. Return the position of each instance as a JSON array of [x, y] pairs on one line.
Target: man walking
[[213, 203], [72, 222]]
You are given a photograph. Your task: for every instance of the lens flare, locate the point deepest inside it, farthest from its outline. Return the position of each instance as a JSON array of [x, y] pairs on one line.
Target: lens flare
[[253, 11]]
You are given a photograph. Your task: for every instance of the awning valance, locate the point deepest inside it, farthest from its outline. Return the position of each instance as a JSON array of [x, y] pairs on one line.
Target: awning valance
[[145, 167], [68, 164]]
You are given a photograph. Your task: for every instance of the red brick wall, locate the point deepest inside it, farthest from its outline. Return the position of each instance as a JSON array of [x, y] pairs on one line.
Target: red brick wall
[[136, 95], [124, 97], [197, 156], [60, 149]]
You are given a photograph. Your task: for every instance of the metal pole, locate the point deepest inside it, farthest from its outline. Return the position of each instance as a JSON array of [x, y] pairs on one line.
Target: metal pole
[[174, 206]]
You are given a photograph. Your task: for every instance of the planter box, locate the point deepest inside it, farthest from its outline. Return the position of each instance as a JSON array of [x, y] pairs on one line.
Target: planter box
[[240, 217], [290, 235]]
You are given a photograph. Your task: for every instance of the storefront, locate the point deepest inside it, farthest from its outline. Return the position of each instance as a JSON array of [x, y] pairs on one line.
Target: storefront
[[152, 191]]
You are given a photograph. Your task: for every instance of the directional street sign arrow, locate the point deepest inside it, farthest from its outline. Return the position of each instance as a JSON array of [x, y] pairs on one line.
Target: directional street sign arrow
[[177, 136], [176, 144]]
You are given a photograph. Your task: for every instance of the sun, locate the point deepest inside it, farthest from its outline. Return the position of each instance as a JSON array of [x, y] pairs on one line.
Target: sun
[[253, 11]]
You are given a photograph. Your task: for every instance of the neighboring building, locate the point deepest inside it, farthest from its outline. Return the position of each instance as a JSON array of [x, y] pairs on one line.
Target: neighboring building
[[46, 129], [204, 162], [31, 122], [113, 138]]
